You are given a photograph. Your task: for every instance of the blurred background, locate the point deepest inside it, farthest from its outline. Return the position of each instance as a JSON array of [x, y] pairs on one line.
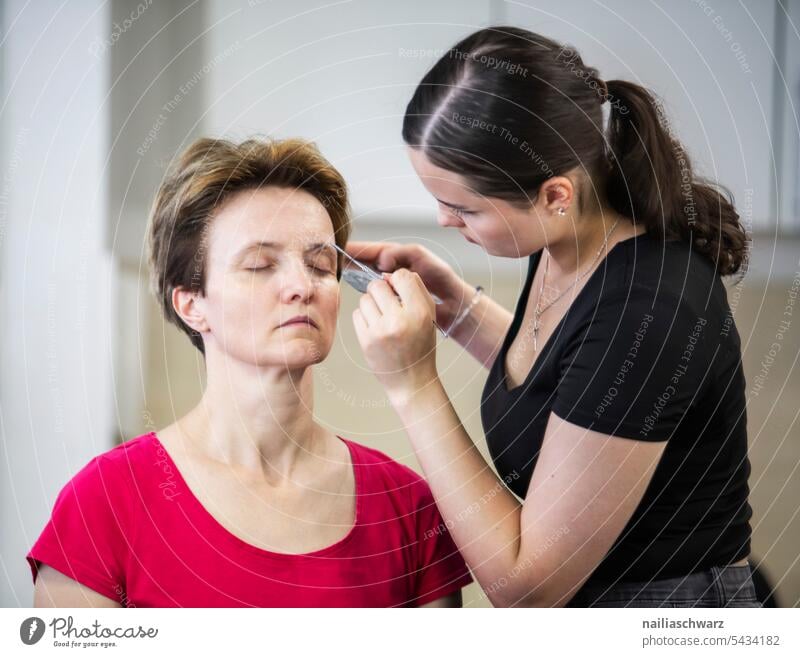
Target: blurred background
[[97, 97]]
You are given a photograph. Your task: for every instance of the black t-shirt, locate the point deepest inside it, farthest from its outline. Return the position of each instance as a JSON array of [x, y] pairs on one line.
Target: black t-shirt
[[647, 351]]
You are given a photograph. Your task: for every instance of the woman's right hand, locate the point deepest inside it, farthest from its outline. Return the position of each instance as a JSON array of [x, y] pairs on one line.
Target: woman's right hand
[[438, 277]]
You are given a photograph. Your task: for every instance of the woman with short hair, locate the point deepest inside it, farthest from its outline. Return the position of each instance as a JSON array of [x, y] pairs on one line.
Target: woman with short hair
[[247, 500]]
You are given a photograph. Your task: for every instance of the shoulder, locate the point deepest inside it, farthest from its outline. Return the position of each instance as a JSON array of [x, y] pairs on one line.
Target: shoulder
[[130, 453], [112, 471], [134, 449], [389, 475], [664, 267], [648, 277], [649, 310], [93, 520], [383, 465]]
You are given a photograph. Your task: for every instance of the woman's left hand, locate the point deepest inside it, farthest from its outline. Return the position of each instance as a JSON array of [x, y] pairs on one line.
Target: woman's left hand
[[394, 325]]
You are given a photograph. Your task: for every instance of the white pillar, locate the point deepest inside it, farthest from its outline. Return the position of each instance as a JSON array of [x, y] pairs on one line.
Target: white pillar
[[56, 273]]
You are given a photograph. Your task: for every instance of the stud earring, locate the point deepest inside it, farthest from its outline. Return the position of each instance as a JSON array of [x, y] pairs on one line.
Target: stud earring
[[561, 212]]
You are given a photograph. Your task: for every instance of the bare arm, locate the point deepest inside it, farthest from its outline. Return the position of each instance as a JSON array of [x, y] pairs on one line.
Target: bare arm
[[482, 331], [54, 589], [584, 489]]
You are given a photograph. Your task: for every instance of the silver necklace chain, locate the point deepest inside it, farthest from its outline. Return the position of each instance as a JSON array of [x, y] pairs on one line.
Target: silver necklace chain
[[539, 311]]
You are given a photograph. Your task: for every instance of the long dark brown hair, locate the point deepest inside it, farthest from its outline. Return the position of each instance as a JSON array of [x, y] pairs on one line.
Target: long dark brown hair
[[507, 109]]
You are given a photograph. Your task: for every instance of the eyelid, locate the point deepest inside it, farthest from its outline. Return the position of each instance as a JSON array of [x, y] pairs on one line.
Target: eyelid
[[457, 211], [324, 258]]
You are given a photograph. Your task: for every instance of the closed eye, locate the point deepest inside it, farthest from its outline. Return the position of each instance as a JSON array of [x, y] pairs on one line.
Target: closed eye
[[456, 211], [322, 265]]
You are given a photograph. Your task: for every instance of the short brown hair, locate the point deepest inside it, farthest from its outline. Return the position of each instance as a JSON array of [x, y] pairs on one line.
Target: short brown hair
[[205, 175]]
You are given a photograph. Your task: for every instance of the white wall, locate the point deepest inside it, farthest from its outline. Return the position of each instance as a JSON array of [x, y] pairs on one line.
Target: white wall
[[56, 308], [342, 73], [709, 60], [338, 73], [787, 115]]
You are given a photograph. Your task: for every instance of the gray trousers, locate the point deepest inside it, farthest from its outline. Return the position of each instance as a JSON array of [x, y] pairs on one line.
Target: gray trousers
[[728, 586]]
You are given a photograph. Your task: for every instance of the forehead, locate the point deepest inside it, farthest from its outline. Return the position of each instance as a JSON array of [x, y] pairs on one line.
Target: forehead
[[437, 179], [290, 217]]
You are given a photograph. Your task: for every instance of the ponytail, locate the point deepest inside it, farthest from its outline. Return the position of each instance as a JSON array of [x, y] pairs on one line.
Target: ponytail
[[651, 180], [508, 109]]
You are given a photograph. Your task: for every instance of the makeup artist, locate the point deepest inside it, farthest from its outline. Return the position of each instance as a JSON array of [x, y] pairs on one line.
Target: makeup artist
[[614, 408]]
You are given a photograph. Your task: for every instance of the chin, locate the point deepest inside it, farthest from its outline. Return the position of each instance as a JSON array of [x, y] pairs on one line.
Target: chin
[[288, 362], [510, 251], [489, 247], [290, 352], [492, 250], [298, 354]]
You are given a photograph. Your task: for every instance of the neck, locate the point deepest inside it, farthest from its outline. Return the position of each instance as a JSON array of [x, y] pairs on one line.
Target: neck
[[257, 418], [577, 248]]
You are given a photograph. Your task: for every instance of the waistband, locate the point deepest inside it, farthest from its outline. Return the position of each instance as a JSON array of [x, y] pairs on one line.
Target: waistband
[[718, 586]]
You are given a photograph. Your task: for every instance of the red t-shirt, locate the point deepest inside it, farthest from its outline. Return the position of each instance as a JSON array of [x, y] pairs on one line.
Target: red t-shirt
[[128, 527]]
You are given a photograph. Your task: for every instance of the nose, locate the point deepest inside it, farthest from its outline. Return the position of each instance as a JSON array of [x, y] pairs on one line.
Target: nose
[[296, 283], [447, 219]]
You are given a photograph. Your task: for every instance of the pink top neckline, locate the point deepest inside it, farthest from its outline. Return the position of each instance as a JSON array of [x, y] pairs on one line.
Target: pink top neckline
[[204, 516]]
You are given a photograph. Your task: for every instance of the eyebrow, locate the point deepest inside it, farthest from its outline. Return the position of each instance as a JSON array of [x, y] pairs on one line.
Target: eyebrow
[[312, 248], [451, 205]]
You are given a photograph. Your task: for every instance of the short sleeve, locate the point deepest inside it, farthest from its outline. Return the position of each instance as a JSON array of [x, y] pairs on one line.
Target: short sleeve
[[84, 538], [635, 367], [440, 569]]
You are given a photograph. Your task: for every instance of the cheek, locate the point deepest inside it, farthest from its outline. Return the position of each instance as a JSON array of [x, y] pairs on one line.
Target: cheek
[[239, 299], [492, 227], [513, 225], [329, 299]]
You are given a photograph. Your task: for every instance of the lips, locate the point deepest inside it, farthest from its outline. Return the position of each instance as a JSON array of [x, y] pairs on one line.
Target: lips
[[302, 320]]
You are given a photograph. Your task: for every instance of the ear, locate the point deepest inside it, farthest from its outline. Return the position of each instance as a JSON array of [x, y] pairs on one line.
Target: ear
[[189, 306], [556, 193]]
